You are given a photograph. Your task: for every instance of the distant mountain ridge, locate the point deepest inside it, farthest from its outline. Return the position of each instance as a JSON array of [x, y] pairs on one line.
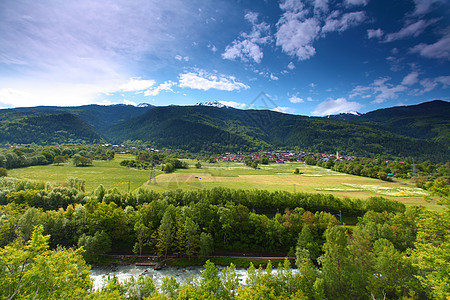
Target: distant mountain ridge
[[420, 131], [428, 120]]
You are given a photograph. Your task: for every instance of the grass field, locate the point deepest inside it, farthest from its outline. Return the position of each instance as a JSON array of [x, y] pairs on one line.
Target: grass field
[[273, 177], [108, 173]]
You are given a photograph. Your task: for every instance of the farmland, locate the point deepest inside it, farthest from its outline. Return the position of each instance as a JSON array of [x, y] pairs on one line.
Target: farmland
[[272, 177]]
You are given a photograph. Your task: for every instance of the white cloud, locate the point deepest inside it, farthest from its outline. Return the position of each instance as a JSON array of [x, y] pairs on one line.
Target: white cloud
[[180, 58], [129, 102], [284, 110], [136, 84], [295, 99], [340, 105], [49, 95], [424, 6], [430, 84], [248, 45], [438, 50], [243, 49], [320, 6], [12, 97], [212, 47], [396, 63], [356, 2], [166, 86], [234, 104], [291, 66], [273, 77], [85, 42], [294, 6], [202, 80], [411, 79], [345, 22], [409, 30], [444, 80], [380, 90], [375, 33], [300, 26], [296, 36]]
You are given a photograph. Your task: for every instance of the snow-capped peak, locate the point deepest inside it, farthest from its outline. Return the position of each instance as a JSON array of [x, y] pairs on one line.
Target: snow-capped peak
[[213, 104], [354, 113], [143, 105]]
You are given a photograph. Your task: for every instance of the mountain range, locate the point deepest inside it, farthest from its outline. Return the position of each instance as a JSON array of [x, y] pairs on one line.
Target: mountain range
[[421, 131]]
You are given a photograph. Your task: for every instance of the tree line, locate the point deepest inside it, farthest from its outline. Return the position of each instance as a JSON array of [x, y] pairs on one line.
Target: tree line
[[424, 174], [21, 157], [360, 263]]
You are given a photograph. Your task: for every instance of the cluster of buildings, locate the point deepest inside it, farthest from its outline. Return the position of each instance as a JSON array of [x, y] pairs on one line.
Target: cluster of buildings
[[282, 156]]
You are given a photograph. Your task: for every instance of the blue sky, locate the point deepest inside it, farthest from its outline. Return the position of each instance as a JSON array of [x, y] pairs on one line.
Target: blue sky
[[310, 57]]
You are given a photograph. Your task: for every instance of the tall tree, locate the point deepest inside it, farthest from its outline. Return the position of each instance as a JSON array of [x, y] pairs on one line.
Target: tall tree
[[337, 269], [191, 237], [206, 244], [165, 233]]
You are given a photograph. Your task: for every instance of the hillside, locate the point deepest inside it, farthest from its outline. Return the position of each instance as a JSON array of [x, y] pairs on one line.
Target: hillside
[[198, 128], [98, 116], [420, 131], [48, 129], [429, 120]]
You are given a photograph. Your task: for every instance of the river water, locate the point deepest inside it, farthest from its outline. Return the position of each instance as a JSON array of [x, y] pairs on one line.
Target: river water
[[125, 272]]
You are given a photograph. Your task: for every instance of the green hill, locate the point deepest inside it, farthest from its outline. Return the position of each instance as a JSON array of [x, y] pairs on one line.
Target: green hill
[[98, 116], [420, 131], [429, 120], [198, 128], [48, 129]]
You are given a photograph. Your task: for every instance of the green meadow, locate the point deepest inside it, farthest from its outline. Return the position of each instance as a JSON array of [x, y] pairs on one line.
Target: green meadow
[[272, 177]]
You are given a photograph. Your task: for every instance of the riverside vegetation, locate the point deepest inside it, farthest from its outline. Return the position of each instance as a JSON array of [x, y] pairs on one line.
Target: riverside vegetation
[[49, 232]]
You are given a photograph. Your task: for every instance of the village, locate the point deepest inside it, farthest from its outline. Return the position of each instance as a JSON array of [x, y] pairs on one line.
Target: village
[[282, 156]]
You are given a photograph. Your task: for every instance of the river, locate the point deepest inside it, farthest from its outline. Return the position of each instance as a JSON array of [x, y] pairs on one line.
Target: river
[[180, 274]]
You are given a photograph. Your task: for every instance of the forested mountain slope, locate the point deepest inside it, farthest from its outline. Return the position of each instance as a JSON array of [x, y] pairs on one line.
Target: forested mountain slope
[[48, 129], [225, 129], [98, 116], [420, 131], [429, 120]]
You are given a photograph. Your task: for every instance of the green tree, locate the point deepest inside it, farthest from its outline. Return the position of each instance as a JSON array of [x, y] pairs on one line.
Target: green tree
[[138, 288], [394, 274], [32, 271], [170, 287], [337, 268], [168, 168], [432, 252], [59, 159], [95, 245], [306, 247], [206, 244], [165, 233], [81, 161], [27, 223], [191, 237], [226, 220], [142, 233], [3, 172]]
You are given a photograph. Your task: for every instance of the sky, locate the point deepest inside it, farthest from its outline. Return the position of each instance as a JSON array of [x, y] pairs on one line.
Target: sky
[[305, 57]]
